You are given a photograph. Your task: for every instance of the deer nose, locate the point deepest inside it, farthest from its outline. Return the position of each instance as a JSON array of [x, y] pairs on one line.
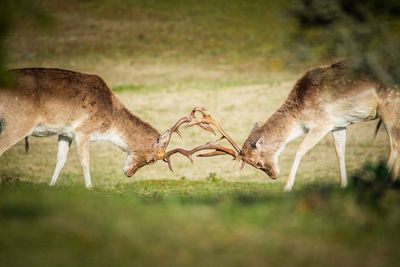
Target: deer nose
[[126, 172]]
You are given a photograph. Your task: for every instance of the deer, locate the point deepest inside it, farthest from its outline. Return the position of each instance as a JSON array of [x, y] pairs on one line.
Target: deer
[[324, 100], [42, 102]]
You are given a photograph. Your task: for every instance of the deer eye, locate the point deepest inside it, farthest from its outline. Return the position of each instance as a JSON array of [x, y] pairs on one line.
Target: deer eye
[[253, 146], [152, 160]]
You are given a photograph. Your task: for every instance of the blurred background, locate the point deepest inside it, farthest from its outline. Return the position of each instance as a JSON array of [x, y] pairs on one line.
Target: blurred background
[[237, 58]]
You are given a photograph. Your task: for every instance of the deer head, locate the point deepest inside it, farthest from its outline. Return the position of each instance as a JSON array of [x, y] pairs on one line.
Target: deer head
[[150, 149], [259, 154]]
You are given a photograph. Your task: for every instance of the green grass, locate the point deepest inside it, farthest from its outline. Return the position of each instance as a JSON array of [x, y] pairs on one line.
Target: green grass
[[187, 223], [235, 34]]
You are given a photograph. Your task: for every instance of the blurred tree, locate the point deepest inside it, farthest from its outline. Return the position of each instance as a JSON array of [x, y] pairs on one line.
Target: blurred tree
[[366, 31], [12, 13]]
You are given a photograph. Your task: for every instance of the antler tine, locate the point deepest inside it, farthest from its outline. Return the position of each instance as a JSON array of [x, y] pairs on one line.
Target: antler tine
[[175, 127], [219, 150], [206, 127], [206, 119], [167, 156], [187, 119]]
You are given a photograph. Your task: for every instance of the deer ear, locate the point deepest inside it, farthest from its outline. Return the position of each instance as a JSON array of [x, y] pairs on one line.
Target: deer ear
[[255, 127]]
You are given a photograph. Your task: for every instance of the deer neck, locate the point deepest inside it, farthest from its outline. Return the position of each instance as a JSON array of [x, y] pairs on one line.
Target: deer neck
[[130, 133], [280, 129]]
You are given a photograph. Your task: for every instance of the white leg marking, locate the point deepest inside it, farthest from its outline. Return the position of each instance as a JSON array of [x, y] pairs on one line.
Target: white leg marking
[[311, 139], [82, 147], [393, 154], [64, 143], [395, 170], [394, 151], [339, 136]]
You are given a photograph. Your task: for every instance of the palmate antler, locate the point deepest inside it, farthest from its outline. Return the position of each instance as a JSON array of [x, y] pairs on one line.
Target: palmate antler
[[205, 122]]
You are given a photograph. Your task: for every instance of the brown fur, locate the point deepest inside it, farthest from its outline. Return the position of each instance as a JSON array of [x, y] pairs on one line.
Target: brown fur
[[74, 95], [60, 99], [324, 99]]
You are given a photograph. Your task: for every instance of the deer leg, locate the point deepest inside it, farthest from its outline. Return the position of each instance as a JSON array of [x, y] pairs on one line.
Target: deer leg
[[82, 147], [64, 142], [393, 150], [11, 133], [395, 170], [339, 136], [311, 139], [8, 141]]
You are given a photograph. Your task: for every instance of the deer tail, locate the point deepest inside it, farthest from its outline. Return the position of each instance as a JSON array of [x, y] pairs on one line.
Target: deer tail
[[1, 125], [26, 145]]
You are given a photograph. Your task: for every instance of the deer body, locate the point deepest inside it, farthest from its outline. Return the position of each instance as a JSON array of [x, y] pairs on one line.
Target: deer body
[[324, 100], [75, 106]]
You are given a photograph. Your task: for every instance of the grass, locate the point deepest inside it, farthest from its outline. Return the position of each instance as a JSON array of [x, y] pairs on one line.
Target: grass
[[187, 223], [219, 31], [162, 58]]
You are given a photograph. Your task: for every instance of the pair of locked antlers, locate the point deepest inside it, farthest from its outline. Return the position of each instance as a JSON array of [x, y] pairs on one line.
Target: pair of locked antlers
[[205, 122]]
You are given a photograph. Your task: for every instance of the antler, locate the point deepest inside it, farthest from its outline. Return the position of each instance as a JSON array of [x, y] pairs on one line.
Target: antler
[[219, 150], [204, 122], [206, 119], [187, 119]]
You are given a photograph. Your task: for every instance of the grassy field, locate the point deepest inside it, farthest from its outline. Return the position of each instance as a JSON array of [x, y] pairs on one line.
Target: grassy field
[[196, 223], [162, 58]]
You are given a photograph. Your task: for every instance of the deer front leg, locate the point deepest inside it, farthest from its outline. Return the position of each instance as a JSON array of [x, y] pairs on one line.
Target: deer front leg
[[64, 142], [394, 136], [339, 136], [393, 154], [82, 147], [311, 139]]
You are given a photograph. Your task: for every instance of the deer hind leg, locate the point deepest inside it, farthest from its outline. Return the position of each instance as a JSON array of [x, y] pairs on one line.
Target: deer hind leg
[[339, 136], [12, 132], [393, 149], [82, 147], [392, 128], [312, 138], [394, 160], [64, 143]]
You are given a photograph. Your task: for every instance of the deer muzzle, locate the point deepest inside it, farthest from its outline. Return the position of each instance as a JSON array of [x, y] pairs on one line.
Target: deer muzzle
[[131, 169]]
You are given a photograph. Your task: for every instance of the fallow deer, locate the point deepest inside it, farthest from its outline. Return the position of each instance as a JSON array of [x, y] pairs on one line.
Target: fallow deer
[[75, 106], [325, 99]]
